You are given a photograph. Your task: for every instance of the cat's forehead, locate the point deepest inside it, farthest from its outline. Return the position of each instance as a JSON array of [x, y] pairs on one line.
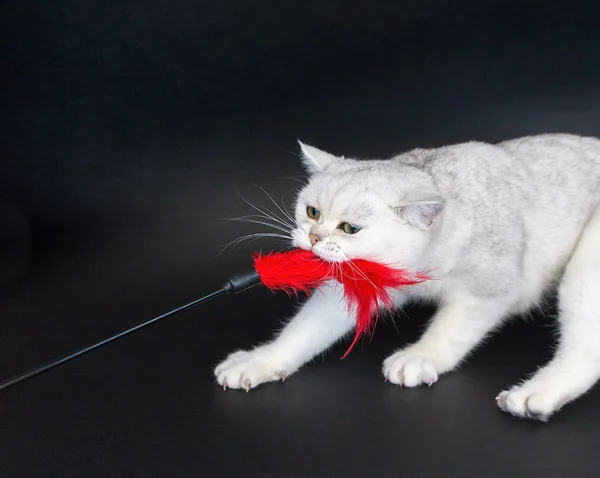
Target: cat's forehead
[[347, 182], [355, 208], [344, 195]]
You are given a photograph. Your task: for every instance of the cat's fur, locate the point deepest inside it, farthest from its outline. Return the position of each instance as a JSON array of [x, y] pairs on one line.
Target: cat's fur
[[499, 226]]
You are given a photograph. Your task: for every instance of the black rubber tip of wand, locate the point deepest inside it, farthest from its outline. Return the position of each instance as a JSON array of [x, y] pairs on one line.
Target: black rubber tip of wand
[[235, 284], [241, 282]]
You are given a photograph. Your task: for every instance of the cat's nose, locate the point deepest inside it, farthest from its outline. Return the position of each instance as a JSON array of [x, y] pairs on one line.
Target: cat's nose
[[313, 238]]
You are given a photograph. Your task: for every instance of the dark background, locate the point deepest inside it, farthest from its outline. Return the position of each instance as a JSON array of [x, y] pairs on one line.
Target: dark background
[[127, 128]]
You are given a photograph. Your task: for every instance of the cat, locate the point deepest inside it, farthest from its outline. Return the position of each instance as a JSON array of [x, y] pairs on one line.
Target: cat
[[500, 225]]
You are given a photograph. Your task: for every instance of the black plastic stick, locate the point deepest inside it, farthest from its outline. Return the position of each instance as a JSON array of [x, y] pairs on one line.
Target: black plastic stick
[[235, 284]]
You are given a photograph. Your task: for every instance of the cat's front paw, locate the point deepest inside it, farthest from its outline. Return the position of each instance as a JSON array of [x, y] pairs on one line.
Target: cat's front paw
[[248, 369], [532, 400], [410, 368]]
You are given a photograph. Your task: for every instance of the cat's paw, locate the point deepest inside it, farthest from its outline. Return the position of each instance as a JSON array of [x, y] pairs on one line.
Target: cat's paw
[[531, 400], [249, 369], [410, 368]]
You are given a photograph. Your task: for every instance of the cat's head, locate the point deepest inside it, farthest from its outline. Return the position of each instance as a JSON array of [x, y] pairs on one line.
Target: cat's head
[[374, 210]]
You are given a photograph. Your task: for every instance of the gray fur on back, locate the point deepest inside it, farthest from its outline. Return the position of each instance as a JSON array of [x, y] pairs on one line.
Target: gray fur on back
[[513, 211]]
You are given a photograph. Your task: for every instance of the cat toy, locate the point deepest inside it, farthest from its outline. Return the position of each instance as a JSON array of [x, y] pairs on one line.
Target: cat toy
[[366, 286]]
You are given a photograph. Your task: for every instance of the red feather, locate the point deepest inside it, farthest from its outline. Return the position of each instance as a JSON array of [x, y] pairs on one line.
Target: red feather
[[366, 283]]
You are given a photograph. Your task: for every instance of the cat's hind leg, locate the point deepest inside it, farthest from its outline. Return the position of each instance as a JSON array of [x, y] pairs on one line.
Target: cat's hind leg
[[575, 367]]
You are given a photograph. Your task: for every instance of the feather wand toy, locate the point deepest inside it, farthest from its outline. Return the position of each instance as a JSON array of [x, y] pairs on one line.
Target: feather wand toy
[[366, 286]]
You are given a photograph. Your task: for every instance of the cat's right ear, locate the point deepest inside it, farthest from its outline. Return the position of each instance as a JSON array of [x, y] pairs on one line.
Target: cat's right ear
[[314, 160]]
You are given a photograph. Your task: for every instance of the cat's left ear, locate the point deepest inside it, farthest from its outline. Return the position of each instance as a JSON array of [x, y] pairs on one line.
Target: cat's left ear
[[315, 160], [421, 213]]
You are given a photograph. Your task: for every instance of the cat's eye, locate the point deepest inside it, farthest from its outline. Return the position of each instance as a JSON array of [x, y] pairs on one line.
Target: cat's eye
[[349, 228], [313, 213]]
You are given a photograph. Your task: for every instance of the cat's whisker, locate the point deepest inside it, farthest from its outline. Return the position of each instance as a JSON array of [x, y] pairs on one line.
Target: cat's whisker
[[266, 212], [285, 214], [274, 217], [252, 238], [334, 266], [289, 214], [259, 216], [394, 323], [304, 179], [256, 221], [361, 273]]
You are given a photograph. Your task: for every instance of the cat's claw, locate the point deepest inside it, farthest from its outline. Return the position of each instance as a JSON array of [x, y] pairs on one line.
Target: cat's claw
[[409, 368], [247, 370]]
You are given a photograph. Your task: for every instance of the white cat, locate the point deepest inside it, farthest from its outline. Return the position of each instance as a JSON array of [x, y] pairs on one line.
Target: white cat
[[499, 226]]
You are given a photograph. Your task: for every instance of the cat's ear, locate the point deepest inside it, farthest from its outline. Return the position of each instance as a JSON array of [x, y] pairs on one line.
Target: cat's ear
[[420, 213], [314, 160]]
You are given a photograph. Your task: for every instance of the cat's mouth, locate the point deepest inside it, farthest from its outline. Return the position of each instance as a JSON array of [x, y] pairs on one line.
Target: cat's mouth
[[330, 257], [329, 252]]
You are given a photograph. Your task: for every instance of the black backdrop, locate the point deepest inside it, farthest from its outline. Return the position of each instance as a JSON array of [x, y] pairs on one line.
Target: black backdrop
[[127, 129]]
